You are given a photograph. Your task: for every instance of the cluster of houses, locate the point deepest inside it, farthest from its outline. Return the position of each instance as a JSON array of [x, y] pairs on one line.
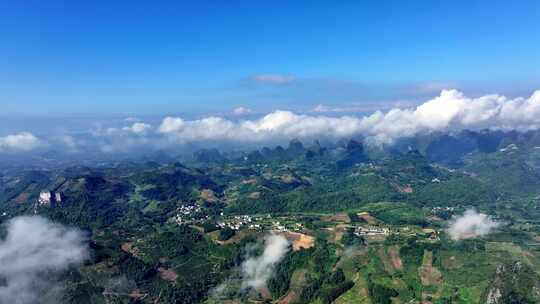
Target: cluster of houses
[[190, 213], [256, 223], [237, 222], [371, 231], [439, 209], [276, 225]]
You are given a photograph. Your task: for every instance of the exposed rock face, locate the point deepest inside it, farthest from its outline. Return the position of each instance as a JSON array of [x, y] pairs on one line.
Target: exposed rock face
[[58, 197], [209, 156], [296, 146], [48, 198], [513, 283], [354, 154], [45, 198]]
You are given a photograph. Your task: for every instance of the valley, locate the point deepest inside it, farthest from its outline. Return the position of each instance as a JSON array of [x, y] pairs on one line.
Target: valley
[[358, 225]]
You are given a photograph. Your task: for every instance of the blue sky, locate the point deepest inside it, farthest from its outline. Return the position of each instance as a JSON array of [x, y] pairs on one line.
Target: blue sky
[[180, 57]]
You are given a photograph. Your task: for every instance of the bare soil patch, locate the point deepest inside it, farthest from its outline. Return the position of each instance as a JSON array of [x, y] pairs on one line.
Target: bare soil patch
[[393, 252], [254, 195], [251, 181], [130, 248], [429, 275], [298, 282], [167, 274], [208, 195], [367, 218], [23, 197], [300, 240], [338, 217]]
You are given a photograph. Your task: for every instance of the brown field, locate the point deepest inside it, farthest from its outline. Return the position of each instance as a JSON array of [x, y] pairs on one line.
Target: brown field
[[129, 248], [252, 181], [298, 281], [254, 195], [338, 217], [136, 294], [451, 262], [405, 189], [393, 252], [367, 217], [22, 198], [429, 275], [300, 240], [167, 274], [208, 195]]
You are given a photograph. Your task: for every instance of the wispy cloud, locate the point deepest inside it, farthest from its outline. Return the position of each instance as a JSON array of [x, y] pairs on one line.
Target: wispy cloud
[[240, 111], [426, 88], [363, 107], [276, 79]]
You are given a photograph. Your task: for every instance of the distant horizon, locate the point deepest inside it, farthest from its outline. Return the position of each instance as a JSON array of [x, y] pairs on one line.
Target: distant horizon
[[450, 111]]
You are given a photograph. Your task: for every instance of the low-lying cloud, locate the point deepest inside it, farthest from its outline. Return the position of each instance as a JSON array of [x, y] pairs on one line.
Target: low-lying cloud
[[138, 128], [257, 270], [471, 224], [32, 248], [450, 111], [23, 141]]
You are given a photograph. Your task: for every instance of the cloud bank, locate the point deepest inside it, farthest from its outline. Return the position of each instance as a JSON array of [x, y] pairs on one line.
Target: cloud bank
[[471, 224], [257, 270], [450, 111], [32, 247]]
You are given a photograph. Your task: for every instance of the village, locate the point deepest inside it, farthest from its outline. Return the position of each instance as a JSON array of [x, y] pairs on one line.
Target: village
[[367, 227]]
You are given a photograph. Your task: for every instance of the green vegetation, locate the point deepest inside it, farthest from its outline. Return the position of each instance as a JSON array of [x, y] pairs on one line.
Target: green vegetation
[[363, 228]]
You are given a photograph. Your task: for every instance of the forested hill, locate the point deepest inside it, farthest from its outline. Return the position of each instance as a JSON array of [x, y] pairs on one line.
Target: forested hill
[[361, 224]]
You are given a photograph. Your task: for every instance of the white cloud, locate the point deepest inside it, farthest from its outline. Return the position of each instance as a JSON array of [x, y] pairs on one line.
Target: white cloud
[[363, 107], [171, 124], [23, 141], [138, 128], [427, 87], [274, 79], [257, 270], [32, 247], [241, 111], [323, 109], [471, 224], [451, 110]]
